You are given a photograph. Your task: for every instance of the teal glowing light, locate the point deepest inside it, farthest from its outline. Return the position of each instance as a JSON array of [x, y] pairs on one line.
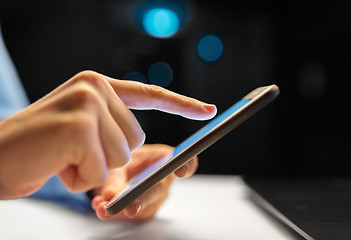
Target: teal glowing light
[[160, 73], [161, 22], [210, 48], [135, 76]]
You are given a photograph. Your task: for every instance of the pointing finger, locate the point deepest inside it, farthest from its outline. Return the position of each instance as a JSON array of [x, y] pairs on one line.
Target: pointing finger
[[138, 95]]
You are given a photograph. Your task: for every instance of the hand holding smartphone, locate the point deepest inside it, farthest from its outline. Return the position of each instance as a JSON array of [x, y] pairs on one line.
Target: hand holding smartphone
[[195, 144]]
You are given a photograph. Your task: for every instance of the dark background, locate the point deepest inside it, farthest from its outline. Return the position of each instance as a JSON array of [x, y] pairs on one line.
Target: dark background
[[303, 48]]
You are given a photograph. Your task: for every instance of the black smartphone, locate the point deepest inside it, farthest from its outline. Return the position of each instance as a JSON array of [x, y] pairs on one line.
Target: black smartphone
[[192, 146]]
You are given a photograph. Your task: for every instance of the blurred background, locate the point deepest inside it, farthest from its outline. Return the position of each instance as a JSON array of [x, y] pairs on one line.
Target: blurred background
[[216, 51]]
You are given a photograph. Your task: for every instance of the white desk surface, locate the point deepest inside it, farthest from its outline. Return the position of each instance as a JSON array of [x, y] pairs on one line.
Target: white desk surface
[[201, 207]]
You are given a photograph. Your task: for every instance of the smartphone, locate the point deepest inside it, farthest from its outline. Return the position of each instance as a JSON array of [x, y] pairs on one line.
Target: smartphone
[[195, 144]]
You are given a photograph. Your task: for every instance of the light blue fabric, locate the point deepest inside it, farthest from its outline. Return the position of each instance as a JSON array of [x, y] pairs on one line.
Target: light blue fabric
[[12, 99], [54, 191], [12, 95]]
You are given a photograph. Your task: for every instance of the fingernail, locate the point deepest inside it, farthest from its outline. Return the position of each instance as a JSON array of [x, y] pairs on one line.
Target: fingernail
[[132, 212], [138, 208], [211, 108]]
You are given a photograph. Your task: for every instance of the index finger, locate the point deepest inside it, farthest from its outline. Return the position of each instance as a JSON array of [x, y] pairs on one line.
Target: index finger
[[137, 95]]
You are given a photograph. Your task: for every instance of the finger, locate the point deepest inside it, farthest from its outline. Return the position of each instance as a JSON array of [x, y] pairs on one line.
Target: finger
[[147, 205], [97, 200], [115, 183], [146, 156], [101, 212], [97, 85], [137, 95], [124, 118], [113, 139], [143, 208], [79, 179], [188, 169], [91, 172]]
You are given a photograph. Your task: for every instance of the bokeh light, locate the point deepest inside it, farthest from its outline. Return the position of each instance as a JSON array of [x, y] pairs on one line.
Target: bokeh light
[[135, 76], [160, 73], [210, 48], [161, 22]]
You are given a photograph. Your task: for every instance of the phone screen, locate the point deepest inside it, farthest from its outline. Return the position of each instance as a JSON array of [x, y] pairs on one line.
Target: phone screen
[[185, 144], [189, 141], [216, 128]]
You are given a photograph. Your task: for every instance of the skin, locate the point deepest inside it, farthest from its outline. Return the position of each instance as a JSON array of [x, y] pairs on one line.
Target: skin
[[146, 206], [84, 132]]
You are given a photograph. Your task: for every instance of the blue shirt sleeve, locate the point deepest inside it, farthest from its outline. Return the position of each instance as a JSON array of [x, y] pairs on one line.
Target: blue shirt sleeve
[[12, 99], [54, 191], [12, 95]]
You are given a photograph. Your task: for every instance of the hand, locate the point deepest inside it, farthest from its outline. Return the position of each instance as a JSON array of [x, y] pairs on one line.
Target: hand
[[147, 205], [80, 131]]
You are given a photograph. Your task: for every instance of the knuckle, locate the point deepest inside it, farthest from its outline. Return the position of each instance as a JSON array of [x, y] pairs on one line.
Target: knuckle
[[84, 93], [86, 74], [91, 78], [155, 90]]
